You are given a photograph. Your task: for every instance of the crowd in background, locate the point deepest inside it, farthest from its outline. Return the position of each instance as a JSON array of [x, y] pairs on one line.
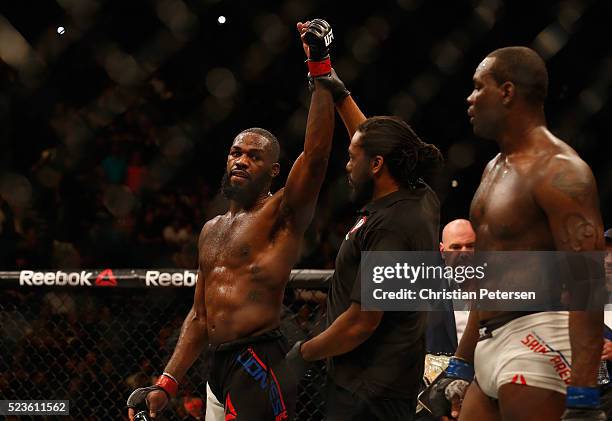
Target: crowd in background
[[114, 133], [110, 212]]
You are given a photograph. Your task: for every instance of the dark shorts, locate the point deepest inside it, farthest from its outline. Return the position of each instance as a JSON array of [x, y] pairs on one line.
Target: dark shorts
[[251, 379]]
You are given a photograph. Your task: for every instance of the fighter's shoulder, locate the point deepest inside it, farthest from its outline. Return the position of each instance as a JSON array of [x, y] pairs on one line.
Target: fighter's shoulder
[[212, 222], [564, 172], [491, 164], [564, 163], [209, 226]]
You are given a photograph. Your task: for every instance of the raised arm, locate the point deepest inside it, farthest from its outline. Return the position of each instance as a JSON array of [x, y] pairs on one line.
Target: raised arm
[[568, 195], [308, 172], [348, 109]]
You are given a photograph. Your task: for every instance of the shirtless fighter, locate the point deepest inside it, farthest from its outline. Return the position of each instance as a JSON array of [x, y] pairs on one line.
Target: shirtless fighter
[[245, 259], [536, 194]]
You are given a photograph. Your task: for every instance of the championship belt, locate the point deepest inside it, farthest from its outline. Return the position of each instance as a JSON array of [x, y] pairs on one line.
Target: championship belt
[[434, 365]]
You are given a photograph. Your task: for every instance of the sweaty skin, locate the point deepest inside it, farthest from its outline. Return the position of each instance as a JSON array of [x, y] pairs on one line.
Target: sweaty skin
[[245, 259], [537, 194], [246, 255], [539, 197]]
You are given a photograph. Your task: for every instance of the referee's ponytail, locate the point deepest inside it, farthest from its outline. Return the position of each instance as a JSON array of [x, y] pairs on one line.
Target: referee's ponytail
[[406, 156]]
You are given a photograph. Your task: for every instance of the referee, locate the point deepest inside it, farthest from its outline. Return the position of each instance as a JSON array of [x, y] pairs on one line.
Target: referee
[[375, 358]]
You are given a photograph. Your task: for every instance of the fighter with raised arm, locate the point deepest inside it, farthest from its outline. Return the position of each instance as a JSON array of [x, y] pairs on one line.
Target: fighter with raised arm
[[536, 194], [245, 259]]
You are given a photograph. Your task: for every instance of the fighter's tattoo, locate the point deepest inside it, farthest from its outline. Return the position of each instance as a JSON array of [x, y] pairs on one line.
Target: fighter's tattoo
[[578, 232], [575, 188]]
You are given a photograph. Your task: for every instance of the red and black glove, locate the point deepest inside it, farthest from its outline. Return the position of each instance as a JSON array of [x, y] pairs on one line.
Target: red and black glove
[[319, 37], [139, 399]]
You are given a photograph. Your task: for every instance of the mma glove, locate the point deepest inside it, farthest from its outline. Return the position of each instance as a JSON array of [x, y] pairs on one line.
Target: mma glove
[[138, 398], [296, 361], [583, 405], [318, 37], [450, 384], [142, 416]]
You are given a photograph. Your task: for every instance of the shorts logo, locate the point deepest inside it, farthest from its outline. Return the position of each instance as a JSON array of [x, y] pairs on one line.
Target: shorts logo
[[519, 378], [230, 411], [560, 364], [358, 225], [253, 365]]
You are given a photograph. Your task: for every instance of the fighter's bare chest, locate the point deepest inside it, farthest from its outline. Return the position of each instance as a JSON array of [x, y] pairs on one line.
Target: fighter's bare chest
[[232, 241], [503, 205]]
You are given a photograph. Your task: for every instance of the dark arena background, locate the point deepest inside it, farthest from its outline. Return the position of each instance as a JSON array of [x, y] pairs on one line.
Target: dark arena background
[[115, 122]]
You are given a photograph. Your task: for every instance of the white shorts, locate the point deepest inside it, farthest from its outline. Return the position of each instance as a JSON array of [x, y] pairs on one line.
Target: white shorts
[[533, 350], [214, 408]]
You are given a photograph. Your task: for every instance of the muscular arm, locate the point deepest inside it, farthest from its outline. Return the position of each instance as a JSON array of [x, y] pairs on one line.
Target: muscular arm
[[568, 195], [194, 332], [193, 337], [346, 333], [308, 172]]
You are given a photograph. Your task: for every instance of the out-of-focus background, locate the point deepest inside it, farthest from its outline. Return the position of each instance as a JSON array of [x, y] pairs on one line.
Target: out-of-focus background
[[116, 116]]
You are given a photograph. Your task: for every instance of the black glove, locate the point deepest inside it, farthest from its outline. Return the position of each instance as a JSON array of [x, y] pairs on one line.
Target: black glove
[[319, 37], [452, 382], [138, 398], [577, 414], [332, 83], [583, 405], [142, 416], [296, 361]]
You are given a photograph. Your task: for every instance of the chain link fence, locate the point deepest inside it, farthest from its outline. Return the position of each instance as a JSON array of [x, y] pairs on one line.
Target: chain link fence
[[94, 345]]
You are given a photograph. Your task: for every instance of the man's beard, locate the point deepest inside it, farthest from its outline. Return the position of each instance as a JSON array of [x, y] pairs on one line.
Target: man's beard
[[363, 192], [245, 194]]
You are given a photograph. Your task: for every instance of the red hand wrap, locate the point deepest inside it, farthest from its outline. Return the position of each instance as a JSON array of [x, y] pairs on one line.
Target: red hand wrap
[[168, 384], [318, 68]]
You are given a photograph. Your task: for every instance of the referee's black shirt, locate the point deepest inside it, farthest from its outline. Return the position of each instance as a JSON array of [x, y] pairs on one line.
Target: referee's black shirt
[[390, 362]]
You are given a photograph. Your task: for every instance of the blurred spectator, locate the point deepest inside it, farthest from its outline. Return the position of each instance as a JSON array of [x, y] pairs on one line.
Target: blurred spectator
[[178, 232], [7, 236], [135, 172], [114, 164], [195, 408]]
